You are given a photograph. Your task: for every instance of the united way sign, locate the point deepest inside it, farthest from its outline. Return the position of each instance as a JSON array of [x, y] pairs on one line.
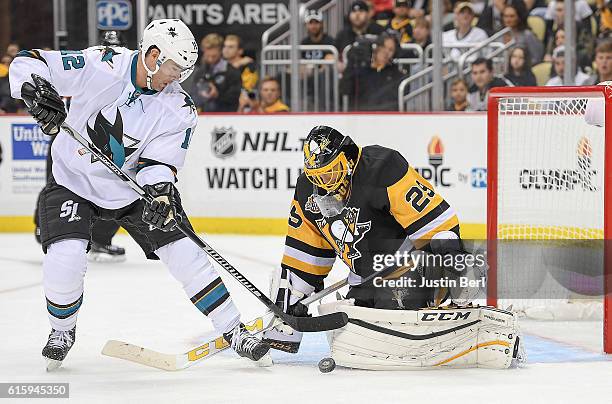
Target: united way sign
[[114, 14]]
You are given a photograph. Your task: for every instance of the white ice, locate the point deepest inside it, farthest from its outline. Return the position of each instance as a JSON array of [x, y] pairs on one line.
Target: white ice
[[138, 301]]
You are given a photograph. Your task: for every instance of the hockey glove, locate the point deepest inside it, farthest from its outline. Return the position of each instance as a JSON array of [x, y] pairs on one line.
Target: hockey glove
[[44, 104], [165, 209]]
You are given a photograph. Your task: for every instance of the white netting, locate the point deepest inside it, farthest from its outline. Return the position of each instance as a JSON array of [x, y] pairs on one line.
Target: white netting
[[550, 207]]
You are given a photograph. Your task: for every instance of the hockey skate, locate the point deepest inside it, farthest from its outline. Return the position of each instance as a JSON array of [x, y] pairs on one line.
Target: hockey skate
[[57, 347], [106, 253], [245, 344]]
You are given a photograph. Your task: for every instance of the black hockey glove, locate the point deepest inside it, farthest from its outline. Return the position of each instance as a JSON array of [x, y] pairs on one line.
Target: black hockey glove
[[44, 104], [165, 209]]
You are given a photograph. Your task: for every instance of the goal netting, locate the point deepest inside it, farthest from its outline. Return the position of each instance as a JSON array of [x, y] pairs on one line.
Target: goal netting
[[546, 207]]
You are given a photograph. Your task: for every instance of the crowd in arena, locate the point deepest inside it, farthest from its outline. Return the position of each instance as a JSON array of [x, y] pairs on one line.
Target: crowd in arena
[[226, 80]]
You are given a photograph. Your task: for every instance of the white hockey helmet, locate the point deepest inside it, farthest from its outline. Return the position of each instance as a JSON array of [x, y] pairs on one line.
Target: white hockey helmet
[[175, 42]]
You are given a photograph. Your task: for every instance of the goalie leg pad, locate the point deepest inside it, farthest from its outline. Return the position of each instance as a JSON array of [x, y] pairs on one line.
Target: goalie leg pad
[[431, 338]]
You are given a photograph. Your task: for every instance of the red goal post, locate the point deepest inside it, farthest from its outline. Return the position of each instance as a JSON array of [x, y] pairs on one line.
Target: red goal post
[[530, 203]]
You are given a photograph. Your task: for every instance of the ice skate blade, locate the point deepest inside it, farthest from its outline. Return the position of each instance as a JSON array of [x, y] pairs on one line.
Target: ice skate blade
[[265, 361], [53, 364], [105, 258]]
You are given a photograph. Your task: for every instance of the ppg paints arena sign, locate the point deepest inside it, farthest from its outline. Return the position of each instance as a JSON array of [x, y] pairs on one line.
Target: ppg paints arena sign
[[248, 19]]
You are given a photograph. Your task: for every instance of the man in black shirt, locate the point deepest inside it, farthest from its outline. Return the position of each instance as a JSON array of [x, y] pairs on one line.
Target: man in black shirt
[[216, 84], [316, 36], [484, 80], [360, 24]]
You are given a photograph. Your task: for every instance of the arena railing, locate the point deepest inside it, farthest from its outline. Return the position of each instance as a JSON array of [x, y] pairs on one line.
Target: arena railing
[[319, 75]]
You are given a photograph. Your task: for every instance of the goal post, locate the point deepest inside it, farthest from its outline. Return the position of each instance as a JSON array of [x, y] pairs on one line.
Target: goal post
[[549, 203]]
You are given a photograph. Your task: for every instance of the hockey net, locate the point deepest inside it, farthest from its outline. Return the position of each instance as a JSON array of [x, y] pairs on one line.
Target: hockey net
[[547, 205]]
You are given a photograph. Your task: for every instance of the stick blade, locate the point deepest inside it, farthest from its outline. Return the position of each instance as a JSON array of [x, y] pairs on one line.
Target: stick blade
[[144, 356], [326, 322]]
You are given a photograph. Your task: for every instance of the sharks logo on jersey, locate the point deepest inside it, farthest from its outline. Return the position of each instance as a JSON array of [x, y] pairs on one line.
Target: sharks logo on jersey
[[108, 54], [344, 232], [109, 138]]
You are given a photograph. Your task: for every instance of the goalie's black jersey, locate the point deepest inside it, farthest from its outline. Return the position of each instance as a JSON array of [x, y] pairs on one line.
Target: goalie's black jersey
[[389, 203]]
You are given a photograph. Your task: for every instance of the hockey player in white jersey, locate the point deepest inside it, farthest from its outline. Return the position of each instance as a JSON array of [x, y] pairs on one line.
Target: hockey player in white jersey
[[132, 107]]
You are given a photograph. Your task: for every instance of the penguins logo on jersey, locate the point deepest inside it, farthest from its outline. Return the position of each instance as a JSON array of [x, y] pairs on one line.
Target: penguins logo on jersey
[[344, 232], [109, 139]]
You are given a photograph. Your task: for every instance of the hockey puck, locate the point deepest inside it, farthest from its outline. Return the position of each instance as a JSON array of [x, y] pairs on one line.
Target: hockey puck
[[326, 365]]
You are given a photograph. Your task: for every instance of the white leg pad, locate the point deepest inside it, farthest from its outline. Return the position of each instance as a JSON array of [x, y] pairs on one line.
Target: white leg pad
[[64, 268], [377, 339], [190, 266]]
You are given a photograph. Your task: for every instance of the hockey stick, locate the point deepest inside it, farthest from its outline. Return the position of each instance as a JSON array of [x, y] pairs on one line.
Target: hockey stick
[[171, 362], [303, 324]]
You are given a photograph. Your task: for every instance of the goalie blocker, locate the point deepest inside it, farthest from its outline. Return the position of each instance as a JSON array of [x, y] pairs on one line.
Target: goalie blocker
[[376, 339]]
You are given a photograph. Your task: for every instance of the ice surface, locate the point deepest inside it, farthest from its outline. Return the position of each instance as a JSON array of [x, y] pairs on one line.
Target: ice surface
[[138, 301]]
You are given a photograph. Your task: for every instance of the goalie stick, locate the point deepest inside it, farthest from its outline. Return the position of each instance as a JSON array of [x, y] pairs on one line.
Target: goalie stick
[[303, 324], [171, 362]]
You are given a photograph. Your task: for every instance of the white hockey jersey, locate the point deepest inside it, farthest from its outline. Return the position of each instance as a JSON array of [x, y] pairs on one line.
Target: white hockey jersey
[[146, 133]]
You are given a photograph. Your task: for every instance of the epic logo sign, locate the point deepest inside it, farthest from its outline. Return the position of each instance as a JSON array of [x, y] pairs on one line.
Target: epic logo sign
[[29, 142], [436, 174]]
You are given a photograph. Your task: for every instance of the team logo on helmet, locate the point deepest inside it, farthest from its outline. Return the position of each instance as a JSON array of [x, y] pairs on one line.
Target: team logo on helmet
[[172, 32], [223, 142], [344, 233]]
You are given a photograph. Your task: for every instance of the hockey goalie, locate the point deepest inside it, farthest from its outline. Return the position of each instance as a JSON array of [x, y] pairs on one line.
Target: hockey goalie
[[401, 242]]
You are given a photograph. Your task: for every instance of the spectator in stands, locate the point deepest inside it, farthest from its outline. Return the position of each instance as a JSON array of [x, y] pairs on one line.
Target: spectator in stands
[[400, 25], [603, 62], [514, 16], [383, 9], [7, 103], [536, 7], [491, 17], [316, 36], [580, 79], [604, 11], [359, 25], [419, 8], [421, 32], [519, 67], [13, 49], [459, 91], [463, 33], [374, 87], [315, 74], [555, 42], [233, 52], [484, 80], [555, 19], [269, 99], [217, 84]]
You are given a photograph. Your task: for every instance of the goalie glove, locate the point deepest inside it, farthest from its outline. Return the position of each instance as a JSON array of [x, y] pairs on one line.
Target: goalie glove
[[287, 290], [44, 104], [165, 209]]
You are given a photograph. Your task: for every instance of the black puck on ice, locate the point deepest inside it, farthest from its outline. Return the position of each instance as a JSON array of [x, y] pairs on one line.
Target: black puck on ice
[[326, 365]]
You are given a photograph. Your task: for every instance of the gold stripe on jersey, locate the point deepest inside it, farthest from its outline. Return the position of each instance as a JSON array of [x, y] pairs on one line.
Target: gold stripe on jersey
[[305, 246], [418, 208], [304, 266]]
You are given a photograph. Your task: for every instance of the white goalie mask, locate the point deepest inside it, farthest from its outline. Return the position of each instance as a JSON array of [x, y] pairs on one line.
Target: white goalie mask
[[178, 49]]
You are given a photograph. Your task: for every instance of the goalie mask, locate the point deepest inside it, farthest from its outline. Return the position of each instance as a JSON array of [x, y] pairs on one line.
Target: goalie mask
[[329, 161], [178, 50]]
